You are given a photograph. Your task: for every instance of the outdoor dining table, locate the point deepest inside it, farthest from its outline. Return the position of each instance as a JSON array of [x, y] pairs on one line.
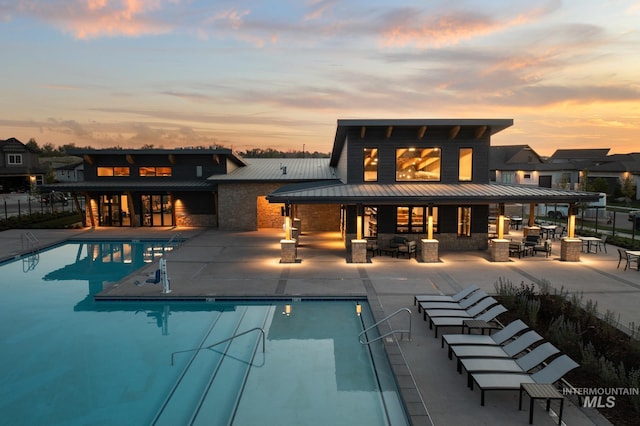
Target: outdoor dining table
[[637, 254], [589, 241], [548, 230]]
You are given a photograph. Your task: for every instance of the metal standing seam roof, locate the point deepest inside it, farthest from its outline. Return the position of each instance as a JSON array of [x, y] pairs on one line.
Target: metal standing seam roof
[[273, 169], [420, 193], [129, 185]]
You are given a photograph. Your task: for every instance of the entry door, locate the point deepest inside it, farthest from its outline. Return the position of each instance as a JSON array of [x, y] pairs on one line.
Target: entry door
[[156, 210]]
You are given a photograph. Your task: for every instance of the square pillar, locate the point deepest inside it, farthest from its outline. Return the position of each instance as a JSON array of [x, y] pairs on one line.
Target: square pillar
[[358, 251], [295, 235], [531, 230], [288, 251], [429, 248], [499, 249], [297, 223], [570, 249]]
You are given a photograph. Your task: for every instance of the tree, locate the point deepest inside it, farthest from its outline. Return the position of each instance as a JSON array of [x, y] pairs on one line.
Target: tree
[[628, 189], [32, 145]]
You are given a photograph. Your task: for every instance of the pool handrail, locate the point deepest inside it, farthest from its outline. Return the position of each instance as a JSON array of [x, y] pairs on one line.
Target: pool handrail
[[367, 342], [223, 341]]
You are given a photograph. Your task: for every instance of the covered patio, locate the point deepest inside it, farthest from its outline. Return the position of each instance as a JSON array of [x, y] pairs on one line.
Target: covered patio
[[436, 199]]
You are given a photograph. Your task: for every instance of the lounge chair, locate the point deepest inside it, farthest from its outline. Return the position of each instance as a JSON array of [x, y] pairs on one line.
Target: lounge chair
[[550, 374], [497, 338], [510, 350], [523, 364], [463, 304], [474, 310], [466, 292], [487, 316]]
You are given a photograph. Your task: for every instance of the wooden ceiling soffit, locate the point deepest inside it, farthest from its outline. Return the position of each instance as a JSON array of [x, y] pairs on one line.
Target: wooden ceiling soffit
[[389, 131], [130, 159], [421, 131], [454, 132], [363, 132], [88, 159], [172, 159], [480, 131]]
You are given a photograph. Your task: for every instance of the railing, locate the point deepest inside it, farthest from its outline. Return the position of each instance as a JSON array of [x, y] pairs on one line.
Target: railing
[[29, 242], [222, 341], [366, 342]]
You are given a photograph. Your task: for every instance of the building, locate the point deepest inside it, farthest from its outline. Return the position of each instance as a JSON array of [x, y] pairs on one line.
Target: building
[[417, 178], [20, 169]]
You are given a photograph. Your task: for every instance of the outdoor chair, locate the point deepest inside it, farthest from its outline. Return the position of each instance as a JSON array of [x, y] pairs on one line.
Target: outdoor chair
[[627, 258], [531, 240], [497, 338], [474, 310], [463, 304], [524, 364], [409, 248], [372, 246], [464, 293], [561, 231], [602, 244], [510, 350], [544, 247], [550, 374], [487, 316]]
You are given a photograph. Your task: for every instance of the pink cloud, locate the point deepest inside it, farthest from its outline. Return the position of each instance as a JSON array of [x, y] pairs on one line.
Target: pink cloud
[[93, 18]]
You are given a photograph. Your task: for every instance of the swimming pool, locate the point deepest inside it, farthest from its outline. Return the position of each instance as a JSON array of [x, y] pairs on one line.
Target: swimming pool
[[67, 359]]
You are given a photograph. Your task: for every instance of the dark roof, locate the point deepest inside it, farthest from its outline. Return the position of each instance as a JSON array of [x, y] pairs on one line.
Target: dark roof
[[579, 154], [420, 193], [152, 184], [175, 151], [513, 157], [488, 126], [272, 170]]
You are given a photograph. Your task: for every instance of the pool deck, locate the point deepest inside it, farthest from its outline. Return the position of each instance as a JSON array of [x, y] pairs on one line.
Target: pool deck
[[216, 264]]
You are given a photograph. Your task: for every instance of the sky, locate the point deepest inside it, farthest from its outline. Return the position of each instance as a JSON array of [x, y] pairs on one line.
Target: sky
[[248, 74]]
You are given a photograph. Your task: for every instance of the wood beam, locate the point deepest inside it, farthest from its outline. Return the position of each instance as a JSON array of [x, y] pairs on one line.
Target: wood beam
[[421, 131], [363, 132], [389, 131], [88, 159], [454, 132], [130, 159], [480, 131], [172, 159]]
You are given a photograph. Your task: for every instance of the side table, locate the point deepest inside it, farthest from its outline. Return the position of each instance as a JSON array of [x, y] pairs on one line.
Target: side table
[[540, 391], [477, 324]]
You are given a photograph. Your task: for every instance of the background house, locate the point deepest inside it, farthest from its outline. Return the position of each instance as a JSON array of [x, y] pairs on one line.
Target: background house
[[20, 169]]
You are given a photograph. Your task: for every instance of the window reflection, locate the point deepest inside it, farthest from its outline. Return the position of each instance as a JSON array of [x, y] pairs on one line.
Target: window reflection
[[464, 164], [370, 164], [418, 164], [414, 219]]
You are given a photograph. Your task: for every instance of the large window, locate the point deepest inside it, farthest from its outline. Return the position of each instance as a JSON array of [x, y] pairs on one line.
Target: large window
[[418, 164], [464, 221], [113, 171], [155, 171], [14, 159], [370, 164], [414, 219], [465, 161]]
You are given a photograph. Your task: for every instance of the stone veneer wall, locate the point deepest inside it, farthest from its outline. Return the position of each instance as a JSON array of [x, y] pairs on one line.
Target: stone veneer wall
[[238, 205], [319, 217], [204, 220]]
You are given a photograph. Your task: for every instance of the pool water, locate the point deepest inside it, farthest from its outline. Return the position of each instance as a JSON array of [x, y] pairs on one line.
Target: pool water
[[67, 359]]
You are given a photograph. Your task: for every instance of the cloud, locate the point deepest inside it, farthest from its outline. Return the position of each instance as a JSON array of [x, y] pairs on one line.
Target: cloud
[[87, 19], [421, 28]]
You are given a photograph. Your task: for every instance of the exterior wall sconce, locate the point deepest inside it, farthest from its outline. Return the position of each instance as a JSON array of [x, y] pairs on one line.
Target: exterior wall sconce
[[358, 309]]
